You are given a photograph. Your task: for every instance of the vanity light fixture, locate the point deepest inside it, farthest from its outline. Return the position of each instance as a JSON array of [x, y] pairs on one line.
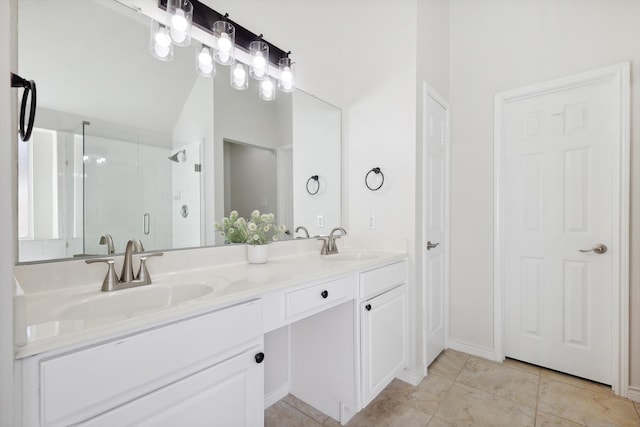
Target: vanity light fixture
[[205, 65], [225, 34], [286, 82], [267, 89], [257, 58], [180, 16], [259, 53], [239, 76], [160, 44]]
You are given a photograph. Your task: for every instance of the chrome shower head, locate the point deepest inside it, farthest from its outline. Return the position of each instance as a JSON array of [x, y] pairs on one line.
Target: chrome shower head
[[179, 156]]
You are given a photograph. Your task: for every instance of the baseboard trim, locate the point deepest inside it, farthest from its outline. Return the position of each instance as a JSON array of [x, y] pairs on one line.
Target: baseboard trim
[[634, 393], [484, 352], [276, 394], [412, 377]]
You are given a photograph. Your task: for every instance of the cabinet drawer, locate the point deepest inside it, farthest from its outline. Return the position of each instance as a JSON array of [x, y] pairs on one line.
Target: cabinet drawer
[[76, 386], [373, 282], [318, 297]]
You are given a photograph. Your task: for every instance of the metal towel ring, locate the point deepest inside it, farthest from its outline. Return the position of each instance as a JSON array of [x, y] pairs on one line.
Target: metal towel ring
[[377, 171], [29, 87], [315, 178]]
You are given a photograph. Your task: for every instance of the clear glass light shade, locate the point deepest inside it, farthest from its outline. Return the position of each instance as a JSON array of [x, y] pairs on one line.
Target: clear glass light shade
[[160, 44], [239, 76], [204, 61], [180, 16], [259, 52], [224, 50], [267, 89], [286, 82]]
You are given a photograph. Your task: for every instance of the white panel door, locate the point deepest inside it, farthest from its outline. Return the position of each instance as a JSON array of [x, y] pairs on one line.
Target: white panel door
[[435, 209], [558, 203]]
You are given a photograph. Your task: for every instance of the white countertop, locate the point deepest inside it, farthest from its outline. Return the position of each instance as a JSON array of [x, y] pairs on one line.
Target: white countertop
[[42, 328]]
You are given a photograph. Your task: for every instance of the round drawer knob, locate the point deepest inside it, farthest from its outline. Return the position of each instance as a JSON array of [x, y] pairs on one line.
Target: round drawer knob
[[368, 307], [324, 294], [259, 357]]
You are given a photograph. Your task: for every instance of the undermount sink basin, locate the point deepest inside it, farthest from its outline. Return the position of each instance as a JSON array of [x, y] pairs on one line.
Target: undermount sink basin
[[128, 302], [351, 256]]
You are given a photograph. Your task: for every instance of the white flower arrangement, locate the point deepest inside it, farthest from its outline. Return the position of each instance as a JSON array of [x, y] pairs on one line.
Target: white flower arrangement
[[260, 229]]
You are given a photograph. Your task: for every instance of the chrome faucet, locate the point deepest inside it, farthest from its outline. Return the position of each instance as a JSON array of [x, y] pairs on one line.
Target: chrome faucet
[[303, 228], [127, 279], [106, 239], [329, 246]]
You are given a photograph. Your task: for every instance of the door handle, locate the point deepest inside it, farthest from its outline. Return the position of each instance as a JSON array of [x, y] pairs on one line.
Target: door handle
[[599, 249], [431, 245]]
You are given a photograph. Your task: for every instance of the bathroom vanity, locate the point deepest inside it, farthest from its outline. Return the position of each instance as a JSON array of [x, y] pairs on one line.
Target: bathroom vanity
[[331, 330]]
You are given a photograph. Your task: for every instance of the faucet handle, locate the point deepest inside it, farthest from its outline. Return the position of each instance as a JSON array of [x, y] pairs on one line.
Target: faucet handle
[[111, 279], [143, 274]]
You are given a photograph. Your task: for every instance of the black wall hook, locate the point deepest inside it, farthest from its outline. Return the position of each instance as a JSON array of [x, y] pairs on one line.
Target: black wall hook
[[315, 178], [377, 171], [29, 86]]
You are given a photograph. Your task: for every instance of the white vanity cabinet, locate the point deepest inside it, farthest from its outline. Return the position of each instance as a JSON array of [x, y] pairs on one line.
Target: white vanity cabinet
[[227, 394], [204, 370], [383, 328]]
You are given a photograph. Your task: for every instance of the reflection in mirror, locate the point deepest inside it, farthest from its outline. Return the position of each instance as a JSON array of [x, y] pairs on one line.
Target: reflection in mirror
[[126, 146]]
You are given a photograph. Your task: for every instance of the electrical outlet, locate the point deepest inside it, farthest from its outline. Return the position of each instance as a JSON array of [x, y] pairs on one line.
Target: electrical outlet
[[371, 221], [320, 221]]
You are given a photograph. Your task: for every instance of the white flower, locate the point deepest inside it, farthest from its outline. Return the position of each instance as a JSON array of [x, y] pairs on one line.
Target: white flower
[[282, 228], [266, 228], [252, 226], [264, 217], [270, 217], [242, 221], [231, 230], [275, 238], [233, 215], [256, 237], [255, 214], [226, 222]]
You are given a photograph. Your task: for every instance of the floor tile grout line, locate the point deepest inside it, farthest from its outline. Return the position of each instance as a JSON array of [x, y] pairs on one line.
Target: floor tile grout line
[[535, 415], [302, 412], [491, 393], [442, 400]]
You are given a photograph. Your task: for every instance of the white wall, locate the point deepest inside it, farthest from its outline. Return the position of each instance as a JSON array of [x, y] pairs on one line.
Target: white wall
[[8, 207], [497, 46], [379, 116]]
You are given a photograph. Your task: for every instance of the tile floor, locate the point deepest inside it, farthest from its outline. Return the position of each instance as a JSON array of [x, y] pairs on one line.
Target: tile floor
[[463, 390]]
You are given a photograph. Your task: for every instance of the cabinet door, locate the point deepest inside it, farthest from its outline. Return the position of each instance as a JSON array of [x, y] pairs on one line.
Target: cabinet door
[[384, 340], [229, 394]]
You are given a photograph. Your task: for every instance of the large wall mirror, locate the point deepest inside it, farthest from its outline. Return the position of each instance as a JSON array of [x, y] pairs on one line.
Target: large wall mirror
[[126, 146]]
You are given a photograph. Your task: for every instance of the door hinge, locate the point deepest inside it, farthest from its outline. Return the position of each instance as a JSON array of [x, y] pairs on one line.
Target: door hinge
[[197, 167]]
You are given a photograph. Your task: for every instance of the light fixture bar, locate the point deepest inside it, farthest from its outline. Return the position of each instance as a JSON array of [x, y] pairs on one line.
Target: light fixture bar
[[204, 17]]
